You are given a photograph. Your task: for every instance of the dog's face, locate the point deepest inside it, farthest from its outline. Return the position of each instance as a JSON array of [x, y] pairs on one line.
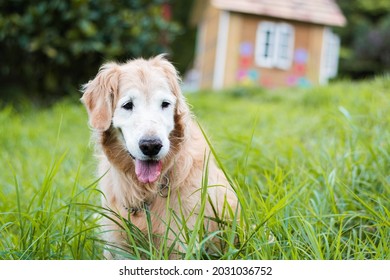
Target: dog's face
[[145, 117], [142, 100]]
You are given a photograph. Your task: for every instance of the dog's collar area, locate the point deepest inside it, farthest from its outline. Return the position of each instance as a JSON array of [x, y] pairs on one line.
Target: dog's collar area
[[163, 191], [135, 210], [163, 187]]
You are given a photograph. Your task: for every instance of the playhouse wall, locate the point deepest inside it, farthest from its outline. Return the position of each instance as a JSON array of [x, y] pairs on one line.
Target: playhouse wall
[[241, 67], [206, 46]]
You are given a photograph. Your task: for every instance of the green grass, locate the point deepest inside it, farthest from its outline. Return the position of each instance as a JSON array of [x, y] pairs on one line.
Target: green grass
[[311, 168]]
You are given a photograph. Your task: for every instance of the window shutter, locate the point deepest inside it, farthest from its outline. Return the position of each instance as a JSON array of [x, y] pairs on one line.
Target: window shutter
[[330, 56], [284, 46], [265, 44]]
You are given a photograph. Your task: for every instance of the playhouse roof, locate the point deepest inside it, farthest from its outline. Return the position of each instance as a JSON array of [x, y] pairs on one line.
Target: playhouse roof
[[325, 12]]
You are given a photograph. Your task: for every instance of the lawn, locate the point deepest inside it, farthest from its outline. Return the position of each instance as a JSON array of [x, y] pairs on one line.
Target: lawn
[[311, 168]]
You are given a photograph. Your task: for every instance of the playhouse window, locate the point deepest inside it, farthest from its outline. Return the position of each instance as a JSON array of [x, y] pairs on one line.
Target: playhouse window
[[274, 45]]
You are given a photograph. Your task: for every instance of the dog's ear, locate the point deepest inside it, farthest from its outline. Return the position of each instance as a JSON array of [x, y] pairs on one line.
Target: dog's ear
[[98, 96]]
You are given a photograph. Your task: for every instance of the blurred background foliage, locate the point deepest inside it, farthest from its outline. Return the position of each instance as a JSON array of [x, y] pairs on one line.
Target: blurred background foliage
[[365, 40], [48, 48]]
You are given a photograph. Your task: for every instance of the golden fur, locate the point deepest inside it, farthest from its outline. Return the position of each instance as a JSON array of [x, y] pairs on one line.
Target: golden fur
[[184, 165]]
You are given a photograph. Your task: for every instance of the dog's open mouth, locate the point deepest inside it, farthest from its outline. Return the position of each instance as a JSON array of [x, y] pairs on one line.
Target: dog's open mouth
[[148, 171]]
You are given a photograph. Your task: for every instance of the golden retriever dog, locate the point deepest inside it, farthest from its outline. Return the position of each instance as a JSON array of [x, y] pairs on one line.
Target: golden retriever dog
[[152, 154]]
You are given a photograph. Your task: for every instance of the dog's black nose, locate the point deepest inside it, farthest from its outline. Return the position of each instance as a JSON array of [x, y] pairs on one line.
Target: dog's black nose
[[150, 146]]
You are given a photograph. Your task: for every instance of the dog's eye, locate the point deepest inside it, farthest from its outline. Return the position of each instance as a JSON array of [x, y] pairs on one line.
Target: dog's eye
[[165, 104], [128, 106]]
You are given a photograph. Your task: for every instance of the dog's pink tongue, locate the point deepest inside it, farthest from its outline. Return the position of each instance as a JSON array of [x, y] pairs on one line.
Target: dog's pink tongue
[[147, 171]]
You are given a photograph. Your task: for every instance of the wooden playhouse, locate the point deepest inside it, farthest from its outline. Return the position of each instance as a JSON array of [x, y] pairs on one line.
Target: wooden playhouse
[[271, 43]]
